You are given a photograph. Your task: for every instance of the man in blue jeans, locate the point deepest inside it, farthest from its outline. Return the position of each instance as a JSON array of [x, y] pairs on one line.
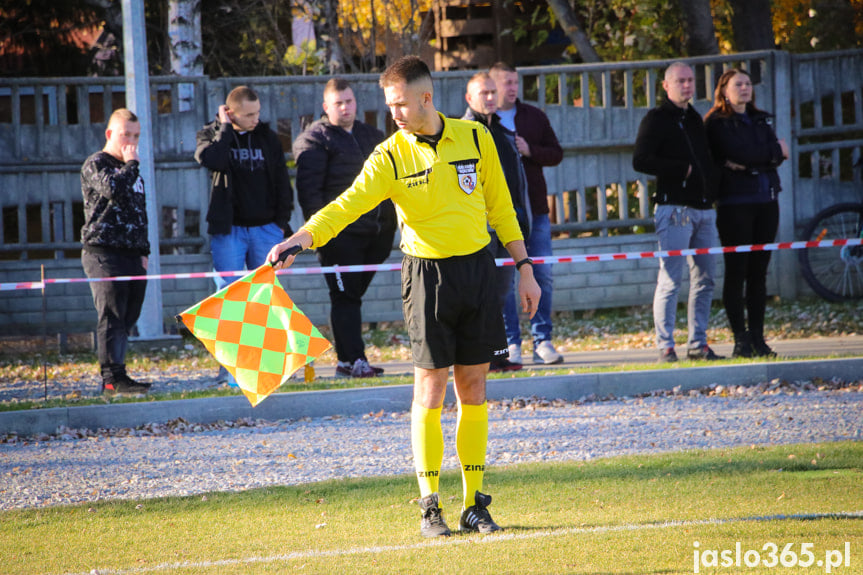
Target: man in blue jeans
[[481, 97], [538, 147], [251, 197], [672, 145]]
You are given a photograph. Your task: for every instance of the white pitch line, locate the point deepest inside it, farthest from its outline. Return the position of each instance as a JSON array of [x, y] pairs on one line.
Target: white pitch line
[[443, 542]]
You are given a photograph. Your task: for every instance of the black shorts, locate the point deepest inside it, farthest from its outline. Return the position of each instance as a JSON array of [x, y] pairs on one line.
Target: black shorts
[[451, 310]]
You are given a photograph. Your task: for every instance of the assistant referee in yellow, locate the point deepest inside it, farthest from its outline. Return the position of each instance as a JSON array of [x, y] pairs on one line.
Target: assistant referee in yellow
[[445, 179]]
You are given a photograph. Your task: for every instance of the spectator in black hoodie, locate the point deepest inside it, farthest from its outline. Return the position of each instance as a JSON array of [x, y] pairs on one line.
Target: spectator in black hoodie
[[330, 153], [115, 244], [251, 198]]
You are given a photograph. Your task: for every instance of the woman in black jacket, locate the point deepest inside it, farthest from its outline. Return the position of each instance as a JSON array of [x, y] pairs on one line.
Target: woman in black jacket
[[747, 152]]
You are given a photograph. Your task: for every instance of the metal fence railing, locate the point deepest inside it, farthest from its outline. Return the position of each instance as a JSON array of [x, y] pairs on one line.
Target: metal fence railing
[[48, 126]]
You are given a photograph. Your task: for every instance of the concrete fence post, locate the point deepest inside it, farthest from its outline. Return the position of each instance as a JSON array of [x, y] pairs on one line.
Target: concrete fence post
[[782, 106]]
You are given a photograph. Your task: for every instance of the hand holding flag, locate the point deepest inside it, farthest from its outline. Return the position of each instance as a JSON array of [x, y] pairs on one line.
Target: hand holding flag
[[281, 255]]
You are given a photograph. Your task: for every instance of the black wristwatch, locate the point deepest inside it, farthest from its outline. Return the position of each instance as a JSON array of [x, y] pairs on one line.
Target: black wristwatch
[[520, 263]]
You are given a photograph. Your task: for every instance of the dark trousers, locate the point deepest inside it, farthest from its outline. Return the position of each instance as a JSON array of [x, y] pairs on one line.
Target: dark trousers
[[118, 305], [504, 275], [746, 273], [347, 289]]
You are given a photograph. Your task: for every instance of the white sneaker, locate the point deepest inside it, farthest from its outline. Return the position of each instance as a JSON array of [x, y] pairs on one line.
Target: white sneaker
[[515, 353], [545, 353], [361, 368]]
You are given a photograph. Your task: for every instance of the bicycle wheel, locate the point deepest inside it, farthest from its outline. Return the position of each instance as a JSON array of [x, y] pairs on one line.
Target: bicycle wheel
[[835, 273]]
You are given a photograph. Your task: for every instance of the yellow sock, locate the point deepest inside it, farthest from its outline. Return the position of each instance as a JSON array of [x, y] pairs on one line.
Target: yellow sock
[[471, 442], [427, 444]]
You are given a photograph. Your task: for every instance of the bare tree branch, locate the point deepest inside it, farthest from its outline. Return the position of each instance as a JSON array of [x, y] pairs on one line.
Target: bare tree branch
[[574, 30]]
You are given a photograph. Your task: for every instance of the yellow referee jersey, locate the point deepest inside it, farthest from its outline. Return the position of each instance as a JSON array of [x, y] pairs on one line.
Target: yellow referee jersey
[[445, 197]]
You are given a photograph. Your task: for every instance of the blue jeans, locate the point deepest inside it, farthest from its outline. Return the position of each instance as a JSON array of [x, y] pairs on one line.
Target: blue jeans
[[681, 227], [244, 248], [538, 245]]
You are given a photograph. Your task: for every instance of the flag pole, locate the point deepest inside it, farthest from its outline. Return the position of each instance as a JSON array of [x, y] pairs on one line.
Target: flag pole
[[44, 336]]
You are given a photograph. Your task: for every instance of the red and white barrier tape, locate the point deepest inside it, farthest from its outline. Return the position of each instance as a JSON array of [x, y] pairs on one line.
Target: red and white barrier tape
[[501, 262]]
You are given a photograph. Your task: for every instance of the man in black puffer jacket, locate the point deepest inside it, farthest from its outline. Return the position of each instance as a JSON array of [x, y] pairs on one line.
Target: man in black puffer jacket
[[672, 145], [330, 153]]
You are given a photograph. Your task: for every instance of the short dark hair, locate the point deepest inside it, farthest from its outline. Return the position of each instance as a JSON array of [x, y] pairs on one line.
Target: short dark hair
[[407, 69], [501, 67], [241, 94], [336, 85], [122, 114]]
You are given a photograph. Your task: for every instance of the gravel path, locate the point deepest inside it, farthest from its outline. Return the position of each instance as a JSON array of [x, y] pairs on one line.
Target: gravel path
[[181, 459], [32, 388]]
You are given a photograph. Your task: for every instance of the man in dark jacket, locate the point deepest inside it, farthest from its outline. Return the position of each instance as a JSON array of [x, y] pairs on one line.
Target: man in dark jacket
[[672, 145], [481, 97], [115, 244], [329, 155], [251, 198], [538, 146]]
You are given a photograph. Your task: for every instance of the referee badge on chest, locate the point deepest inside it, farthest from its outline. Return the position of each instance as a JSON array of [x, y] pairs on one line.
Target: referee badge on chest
[[466, 172]]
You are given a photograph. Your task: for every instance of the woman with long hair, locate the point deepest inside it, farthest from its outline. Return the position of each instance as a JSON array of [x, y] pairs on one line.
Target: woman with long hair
[[747, 152]]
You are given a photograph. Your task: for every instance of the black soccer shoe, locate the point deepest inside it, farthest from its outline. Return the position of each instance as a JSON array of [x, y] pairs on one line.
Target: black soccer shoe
[[123, 386], [476, 517], [432, 523]]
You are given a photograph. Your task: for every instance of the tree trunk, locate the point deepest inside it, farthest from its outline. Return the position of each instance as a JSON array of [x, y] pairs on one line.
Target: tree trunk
[[701, 39], [752, 24], [336, 60], [574, 30], [184, 36], [373, 40]]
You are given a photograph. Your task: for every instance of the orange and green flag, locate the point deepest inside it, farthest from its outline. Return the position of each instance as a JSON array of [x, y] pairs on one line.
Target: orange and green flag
[[255, 330]]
